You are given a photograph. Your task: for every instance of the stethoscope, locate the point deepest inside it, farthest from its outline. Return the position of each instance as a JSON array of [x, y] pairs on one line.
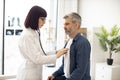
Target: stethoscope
[[40, 42]]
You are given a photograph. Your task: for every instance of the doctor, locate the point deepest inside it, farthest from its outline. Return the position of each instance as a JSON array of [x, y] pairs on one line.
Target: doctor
[[31, 49]]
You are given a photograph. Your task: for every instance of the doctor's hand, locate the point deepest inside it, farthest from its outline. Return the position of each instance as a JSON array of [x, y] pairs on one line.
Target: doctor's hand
[[61, 52], [50, 78]]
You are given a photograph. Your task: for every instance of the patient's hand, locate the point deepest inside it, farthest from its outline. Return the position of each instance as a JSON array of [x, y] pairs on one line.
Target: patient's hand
[[50, 78]]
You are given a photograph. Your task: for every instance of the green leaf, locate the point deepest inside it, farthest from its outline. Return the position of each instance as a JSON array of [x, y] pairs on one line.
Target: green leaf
[[114, 43]]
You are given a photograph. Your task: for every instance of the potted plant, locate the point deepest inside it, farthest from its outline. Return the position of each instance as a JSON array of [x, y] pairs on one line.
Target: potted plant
[[109, 41]]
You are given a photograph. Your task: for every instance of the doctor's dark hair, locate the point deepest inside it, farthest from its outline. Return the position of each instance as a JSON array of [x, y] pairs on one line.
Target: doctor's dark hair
[[33, 16]]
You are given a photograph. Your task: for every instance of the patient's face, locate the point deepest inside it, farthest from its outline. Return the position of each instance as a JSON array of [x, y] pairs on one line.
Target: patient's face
[[69, 26]]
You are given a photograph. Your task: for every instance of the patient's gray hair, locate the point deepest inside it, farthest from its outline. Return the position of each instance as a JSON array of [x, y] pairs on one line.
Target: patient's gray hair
[[75, 17]]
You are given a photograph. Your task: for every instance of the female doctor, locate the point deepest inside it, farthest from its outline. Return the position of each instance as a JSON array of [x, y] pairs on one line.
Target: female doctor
[[31, 49]]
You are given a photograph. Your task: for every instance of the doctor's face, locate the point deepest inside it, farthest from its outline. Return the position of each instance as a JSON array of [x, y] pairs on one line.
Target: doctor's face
[[41, 21], [69, 26]]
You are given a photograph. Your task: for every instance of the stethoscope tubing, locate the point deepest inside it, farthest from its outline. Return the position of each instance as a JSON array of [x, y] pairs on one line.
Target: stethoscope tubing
[[41, 43]]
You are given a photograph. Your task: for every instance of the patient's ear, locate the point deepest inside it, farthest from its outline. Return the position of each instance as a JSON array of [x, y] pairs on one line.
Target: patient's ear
[[77, 25]]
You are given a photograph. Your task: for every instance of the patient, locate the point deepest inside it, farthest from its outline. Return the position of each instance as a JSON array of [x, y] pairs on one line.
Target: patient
[[76, 63]]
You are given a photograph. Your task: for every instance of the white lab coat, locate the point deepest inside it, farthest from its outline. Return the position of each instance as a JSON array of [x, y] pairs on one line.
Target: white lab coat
[[34, 58]]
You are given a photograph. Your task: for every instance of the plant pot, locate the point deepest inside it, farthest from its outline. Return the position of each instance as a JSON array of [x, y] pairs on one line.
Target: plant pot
[[109, 61]]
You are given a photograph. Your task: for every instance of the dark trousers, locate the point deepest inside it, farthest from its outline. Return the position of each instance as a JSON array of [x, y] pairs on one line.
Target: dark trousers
[[60, 78]]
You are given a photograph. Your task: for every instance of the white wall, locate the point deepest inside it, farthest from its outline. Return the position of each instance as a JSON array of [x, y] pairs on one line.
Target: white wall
[[100, 12], [97, 54], [94, 14]]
